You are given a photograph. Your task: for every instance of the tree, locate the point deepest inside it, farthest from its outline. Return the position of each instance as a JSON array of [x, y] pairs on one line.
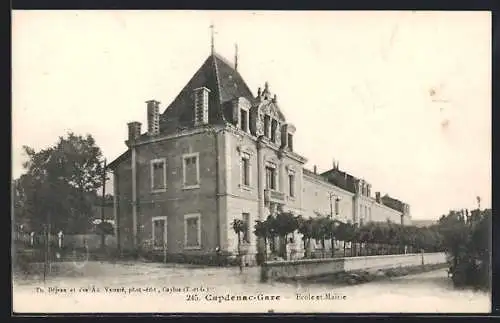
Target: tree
[[261, 230], [284, 224], [342, 234], [320, 230], [466, 239], [239, 227], [332, 228], [60, 184], [105, 228], [364, 234], [305, 227], [351, 236], [271, 232]]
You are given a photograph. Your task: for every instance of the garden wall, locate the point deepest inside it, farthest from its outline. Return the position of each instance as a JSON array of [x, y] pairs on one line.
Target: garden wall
[[307, 268], [93, 241]]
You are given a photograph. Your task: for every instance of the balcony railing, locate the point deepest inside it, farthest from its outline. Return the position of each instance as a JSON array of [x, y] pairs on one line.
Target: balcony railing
[[274, 196]]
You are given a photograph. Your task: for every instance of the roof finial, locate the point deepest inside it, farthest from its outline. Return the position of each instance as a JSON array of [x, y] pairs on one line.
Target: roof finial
[[236, 57], [212, 37]]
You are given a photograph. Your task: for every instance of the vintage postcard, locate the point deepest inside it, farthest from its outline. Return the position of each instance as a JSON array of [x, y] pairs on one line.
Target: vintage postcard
[[239, 161]]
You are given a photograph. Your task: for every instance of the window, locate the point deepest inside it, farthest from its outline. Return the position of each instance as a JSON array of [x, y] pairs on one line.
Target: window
[[270, 177], [192, 231], [290, 142], [291, 184], [274, 126], [267, 121], [158, 175], [246, 234], [191, 170], [159, 233], [245, 170], [244, 120], [337, 206]]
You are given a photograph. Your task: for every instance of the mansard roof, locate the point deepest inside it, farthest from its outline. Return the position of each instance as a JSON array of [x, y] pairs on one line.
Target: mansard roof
[[224, 83]]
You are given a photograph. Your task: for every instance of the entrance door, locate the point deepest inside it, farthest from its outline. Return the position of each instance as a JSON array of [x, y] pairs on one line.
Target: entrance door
[[159, 232]]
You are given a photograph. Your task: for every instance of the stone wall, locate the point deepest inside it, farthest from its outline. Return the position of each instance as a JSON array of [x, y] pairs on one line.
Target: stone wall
[[382, 213], [92, 241], [304, 268], [308, 268], [316, 198], [175, 201]]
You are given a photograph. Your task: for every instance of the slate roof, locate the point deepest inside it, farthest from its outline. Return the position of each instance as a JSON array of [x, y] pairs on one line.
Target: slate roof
[[224, 83], [335, 178], [341, 179], [392, 203], [119, 159]]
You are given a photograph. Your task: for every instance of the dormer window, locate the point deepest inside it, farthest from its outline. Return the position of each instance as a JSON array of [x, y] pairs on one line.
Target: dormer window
[[244, 120], [267, 121], [274, 127], [290, 141]]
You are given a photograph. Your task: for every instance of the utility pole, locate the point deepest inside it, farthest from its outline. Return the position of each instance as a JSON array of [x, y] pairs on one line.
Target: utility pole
[[103, 237], [331, 195], [337, 199]]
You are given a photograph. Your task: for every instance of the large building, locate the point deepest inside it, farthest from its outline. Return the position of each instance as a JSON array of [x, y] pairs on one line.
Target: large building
[[219, 153]]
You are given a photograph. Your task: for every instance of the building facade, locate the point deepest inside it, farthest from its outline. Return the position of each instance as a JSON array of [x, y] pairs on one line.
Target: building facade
[[219, 153]]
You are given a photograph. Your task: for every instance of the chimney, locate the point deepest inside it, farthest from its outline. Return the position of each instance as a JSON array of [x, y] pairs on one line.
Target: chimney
[[201, 106], [134, 130], [377, 197], [315, 169], [153, 110], [259, 92]]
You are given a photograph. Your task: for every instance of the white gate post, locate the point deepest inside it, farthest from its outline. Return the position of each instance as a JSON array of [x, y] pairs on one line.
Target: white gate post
[[60, 236]]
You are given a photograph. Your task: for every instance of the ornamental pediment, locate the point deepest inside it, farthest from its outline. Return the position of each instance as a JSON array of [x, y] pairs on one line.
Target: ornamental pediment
[[271, 109]]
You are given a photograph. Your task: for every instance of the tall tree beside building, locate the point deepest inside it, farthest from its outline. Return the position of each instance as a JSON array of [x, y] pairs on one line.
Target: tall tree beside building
[[305, 227], [60, 183], [285, 223]]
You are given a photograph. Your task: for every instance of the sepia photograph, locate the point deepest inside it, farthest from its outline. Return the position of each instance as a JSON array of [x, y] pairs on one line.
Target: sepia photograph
[[251, 161]]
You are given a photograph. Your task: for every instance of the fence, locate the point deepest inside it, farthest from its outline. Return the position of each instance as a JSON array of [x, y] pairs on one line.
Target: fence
[[72, 241]]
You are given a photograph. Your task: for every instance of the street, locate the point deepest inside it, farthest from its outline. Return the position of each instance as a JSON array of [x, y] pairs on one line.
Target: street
[[153, 287]]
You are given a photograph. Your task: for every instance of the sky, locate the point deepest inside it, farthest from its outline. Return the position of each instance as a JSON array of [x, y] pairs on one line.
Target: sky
[[401, 99]]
